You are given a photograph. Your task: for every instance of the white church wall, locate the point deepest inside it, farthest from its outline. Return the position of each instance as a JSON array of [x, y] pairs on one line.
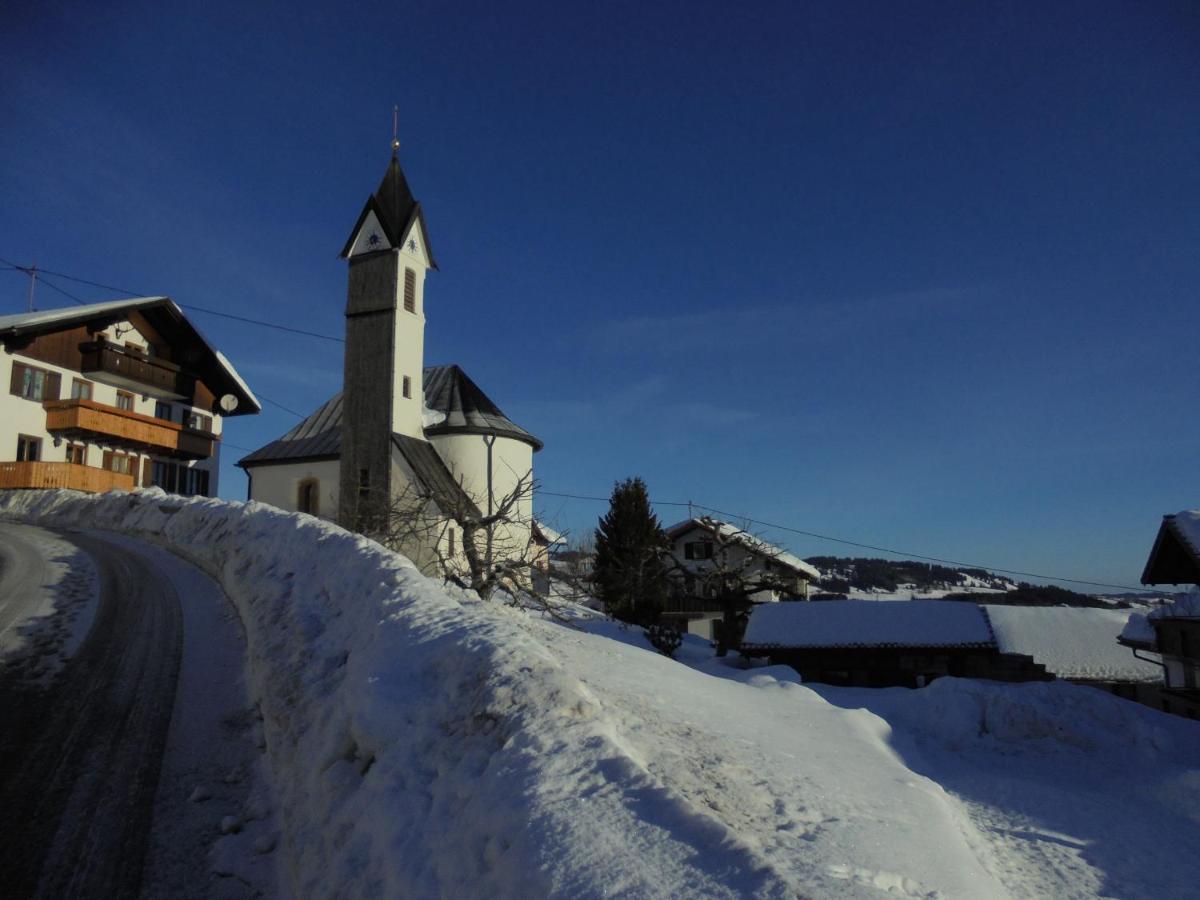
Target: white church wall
[[279, 485], [409, 347]]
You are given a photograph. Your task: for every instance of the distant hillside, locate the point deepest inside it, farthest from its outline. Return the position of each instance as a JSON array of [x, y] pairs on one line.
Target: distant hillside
[[843, 574]]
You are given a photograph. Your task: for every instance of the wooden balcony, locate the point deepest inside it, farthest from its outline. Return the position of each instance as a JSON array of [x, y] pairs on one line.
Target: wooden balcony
[[62, 475], [136, 372], [96, 422]]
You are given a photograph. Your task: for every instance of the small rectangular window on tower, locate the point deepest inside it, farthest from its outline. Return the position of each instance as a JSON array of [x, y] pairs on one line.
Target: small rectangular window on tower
[[407, 386], [410, 291]]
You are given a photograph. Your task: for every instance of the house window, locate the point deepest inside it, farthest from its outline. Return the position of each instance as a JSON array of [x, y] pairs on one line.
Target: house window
[[77, 454], [199, 422], [698, 550], [307, 496], [29, 449], [176, 479], [163, 410], [119, 462], [125, 400], [410, 290], [407, 386], [34, 384], [81, 390]]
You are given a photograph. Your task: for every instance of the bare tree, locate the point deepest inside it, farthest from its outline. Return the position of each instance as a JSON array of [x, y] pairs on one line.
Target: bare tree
[[447, 535]]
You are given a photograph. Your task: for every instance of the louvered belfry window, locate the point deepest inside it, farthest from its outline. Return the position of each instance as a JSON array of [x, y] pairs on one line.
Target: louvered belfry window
[[410, 290]]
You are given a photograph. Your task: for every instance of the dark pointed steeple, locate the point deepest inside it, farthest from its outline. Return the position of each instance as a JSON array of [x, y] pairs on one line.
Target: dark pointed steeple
[[396, 209]]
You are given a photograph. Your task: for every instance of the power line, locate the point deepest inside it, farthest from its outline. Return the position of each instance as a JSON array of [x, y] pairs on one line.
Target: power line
[[189, 306], [878, 549], [281, 406]]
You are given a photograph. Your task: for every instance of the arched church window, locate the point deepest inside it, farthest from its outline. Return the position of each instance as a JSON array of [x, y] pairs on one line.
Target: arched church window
[[308, 496]]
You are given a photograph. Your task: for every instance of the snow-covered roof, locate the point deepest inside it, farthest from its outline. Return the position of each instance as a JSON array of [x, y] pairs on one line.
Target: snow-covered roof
[[1185, 606], [747, 540], [865, 623], [162, 311], [1071, 642], [1138, 630], [1175, 556], [552, 537]]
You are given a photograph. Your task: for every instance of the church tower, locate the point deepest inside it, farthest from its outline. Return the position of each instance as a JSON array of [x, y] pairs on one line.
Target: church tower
[[388, 255]]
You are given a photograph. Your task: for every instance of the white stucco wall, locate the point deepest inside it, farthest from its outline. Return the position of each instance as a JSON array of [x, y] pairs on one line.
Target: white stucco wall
[[410, 339], [279, 485]]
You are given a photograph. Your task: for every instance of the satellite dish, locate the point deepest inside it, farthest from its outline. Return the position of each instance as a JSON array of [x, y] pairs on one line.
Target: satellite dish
[[229, 403]]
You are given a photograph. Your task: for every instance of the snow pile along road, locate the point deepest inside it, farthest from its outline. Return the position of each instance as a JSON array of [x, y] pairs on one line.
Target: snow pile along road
[[423, 744]]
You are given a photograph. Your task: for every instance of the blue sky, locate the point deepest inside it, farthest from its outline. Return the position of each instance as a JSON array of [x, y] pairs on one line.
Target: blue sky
[[921, 276]]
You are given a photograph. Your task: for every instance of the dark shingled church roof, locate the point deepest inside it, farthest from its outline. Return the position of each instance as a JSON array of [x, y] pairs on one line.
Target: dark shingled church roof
[[448, 390], [395, 208], [318, 437], [433, 475], [468, 409]]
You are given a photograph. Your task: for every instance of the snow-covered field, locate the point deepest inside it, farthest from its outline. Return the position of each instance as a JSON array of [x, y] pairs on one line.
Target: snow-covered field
[[428, 744]]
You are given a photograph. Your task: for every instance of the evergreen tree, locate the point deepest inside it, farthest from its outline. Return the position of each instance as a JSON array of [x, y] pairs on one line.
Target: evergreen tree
[[629, 572]]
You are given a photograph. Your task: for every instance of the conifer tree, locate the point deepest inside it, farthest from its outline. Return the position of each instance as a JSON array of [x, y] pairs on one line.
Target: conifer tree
[[629, 572]]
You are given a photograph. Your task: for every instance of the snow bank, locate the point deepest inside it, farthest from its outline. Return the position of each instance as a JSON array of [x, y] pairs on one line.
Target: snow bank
[[865, 623], [1185, 606], [420, 745], [1049, 716], [1071, 642]]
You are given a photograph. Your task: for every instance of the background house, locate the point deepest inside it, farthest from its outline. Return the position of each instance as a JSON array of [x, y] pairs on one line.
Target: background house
[[717, 564], [1172, 631], [114, 395]]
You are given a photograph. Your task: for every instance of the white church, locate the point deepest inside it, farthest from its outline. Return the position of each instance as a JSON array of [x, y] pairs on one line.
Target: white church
[[398, 428]]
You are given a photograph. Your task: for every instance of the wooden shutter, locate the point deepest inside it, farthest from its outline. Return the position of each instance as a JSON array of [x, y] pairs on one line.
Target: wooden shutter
[[410, 290], [107, 460], [147, 471], [17, 384], [53, 386]]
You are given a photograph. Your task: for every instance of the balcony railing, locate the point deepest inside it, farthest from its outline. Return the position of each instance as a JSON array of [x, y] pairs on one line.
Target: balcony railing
[[103, 424], [62, 475], [118, 366]]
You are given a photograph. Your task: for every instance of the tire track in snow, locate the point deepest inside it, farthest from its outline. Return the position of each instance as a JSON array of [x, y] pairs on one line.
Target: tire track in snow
[[81, 758]]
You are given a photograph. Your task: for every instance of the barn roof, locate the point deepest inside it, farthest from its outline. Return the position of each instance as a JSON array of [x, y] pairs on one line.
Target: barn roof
[[1071, 642], [867, 623]]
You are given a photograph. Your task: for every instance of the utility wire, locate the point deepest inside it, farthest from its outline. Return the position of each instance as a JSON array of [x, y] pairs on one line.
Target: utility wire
[[837, 540], [189, 306], [824, 537]]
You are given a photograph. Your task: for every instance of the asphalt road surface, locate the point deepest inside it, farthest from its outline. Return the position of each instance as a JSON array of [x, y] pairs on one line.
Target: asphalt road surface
[[80, 756]]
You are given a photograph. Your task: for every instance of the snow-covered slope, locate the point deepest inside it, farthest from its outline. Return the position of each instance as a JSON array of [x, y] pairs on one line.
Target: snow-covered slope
[[424, 744]]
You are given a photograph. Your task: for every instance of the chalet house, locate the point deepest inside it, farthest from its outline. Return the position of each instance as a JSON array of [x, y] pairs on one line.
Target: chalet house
[[400, 432], [711, 556], [114, 395], [1172, 631]]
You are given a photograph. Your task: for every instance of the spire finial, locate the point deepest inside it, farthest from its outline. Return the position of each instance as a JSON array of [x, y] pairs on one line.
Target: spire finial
[[395, 130]]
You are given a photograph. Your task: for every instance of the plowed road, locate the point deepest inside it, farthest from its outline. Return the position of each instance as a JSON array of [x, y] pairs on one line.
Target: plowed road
[[80, 756]]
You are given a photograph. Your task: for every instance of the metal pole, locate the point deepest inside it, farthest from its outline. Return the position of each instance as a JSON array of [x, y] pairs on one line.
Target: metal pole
[[489, 439]]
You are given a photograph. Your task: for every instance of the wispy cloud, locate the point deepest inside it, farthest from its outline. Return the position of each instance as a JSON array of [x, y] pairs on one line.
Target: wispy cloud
[[744, 327]]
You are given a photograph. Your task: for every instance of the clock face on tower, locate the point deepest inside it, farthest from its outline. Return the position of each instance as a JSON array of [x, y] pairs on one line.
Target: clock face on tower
[[412, 245], [374, 239]]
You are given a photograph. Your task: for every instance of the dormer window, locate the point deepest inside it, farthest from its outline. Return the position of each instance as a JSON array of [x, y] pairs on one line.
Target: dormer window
[[410, 291]]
